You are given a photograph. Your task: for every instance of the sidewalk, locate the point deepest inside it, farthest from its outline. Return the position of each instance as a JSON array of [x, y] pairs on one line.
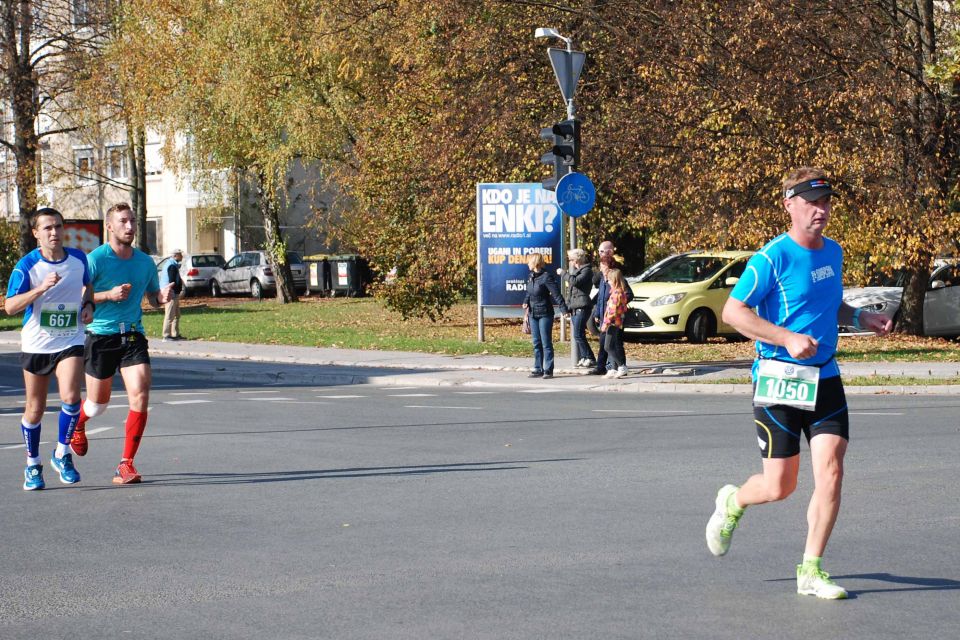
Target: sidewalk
[[274, 364]]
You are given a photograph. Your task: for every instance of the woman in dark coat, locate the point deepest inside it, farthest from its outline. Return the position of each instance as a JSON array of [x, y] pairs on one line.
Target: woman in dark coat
[[580, 278], [543, 290]]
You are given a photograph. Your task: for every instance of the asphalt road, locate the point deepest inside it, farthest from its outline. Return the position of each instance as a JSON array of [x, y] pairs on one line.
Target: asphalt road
[[389, 512]]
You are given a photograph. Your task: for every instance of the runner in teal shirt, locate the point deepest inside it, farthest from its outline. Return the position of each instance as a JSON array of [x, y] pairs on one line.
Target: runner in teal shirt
[[138, 274], [122, 277]]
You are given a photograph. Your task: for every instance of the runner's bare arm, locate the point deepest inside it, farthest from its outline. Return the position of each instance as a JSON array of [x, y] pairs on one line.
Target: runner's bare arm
[[876, 322], [21, 301], [86, 310], [161, 297], [742, 318], [118, 294]]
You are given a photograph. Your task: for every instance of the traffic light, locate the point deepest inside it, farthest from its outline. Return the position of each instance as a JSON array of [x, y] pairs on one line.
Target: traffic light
[[564, 154]]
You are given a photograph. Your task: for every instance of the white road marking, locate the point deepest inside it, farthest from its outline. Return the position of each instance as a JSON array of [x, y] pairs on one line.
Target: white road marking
[[474, 393], [636, 411], [187, 401], [260, 391], [43, 442], [539, 391], [272, 399], [430, 406], [875, 413], [341, 397], [412, 395], [190, 393], [305, 402], [401, 388]]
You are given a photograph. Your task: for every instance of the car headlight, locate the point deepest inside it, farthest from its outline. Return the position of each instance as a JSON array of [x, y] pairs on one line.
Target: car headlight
[[670, 298]]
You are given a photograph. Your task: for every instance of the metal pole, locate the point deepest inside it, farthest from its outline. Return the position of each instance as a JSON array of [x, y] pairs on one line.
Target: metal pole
[[574, 354]]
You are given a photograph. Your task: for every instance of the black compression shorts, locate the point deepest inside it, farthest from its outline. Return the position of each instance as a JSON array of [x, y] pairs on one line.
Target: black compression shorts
[[779, 426]]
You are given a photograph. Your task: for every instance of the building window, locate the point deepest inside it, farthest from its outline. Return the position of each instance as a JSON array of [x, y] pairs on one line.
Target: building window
[[83, 12], [117, 163], [84, 164], [39, 165], [154, 158]]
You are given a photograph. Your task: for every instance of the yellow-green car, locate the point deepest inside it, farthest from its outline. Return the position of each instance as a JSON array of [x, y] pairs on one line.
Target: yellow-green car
[[684, 295]]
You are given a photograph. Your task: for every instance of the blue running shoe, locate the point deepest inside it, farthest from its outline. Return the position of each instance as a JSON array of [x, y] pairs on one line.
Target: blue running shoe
[[33, 477], [64, 466]]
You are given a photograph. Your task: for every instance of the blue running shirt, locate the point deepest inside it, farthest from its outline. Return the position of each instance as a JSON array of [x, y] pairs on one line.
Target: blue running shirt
[[107, 271], [52, 323], [799, 289]]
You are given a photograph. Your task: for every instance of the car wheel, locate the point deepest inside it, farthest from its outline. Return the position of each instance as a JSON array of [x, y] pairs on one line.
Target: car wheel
[[215, 290], [699, 326], [256, 289]]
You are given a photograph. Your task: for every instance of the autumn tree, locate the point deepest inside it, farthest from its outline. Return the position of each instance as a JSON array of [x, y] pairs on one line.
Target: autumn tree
[[43, 46], [240, 87]]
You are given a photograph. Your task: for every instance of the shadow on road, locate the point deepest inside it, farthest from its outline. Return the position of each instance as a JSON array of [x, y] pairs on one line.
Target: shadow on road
[[915, 584], [190, 479]]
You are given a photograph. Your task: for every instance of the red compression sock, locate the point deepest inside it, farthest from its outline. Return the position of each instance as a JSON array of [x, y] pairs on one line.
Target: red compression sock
[[136, 423], [82, 420]]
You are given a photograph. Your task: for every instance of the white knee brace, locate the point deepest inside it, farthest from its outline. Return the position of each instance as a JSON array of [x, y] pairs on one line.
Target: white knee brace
[[93, 409]]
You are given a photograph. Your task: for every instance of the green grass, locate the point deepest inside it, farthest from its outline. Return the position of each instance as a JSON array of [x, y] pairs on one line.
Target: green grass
[[364, 323]]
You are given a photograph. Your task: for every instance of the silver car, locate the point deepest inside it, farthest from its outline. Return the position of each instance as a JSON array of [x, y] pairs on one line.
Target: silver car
[[941, 303], [250, 272], [196, 271]]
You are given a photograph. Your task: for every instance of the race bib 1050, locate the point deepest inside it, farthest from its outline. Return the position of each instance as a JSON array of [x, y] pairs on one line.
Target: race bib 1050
[[786, 383]]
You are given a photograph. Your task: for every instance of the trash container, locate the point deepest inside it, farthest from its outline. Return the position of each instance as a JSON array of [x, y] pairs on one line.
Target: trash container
[[320, 276], [346, 273]]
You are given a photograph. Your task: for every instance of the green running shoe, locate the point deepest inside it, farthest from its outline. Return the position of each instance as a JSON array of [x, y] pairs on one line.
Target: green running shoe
[[722, 523], [813, 581]]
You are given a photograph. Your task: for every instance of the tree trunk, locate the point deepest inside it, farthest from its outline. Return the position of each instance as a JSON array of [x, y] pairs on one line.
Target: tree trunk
[[136, 154], [23, 94], [276, 248], [910, 318]]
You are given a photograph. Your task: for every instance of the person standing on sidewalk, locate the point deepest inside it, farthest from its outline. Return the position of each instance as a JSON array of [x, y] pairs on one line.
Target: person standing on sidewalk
[[121, 275], [607, 261], [171, 310], [579, 278], [543, 291], [612, 325], [51, 286], [795, 284]]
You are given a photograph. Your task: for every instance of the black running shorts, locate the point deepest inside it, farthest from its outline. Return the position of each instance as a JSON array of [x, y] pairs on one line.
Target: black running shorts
[[779, 426], [43, 364], [104, 355]]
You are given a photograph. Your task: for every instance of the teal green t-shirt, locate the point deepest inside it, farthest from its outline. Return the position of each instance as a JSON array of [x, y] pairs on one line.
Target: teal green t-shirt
[[107, 271]]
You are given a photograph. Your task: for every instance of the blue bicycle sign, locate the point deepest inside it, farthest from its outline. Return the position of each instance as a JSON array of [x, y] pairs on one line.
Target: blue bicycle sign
[[575, 194]]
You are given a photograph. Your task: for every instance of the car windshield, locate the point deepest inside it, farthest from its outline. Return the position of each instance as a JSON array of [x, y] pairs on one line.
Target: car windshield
[[686, 269], [294, 258]]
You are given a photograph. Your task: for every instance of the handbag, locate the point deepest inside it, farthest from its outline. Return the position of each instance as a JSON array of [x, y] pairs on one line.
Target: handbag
[[525, 328]]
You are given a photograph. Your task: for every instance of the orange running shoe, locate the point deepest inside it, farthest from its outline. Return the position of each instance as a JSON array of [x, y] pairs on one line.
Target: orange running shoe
[[126, 473], [79, 441]]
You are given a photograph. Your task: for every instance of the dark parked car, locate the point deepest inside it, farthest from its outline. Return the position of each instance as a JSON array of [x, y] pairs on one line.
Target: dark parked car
[[250, 272]]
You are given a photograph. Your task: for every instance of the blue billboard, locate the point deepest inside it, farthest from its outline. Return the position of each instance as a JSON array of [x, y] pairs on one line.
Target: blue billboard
[[513, 221]]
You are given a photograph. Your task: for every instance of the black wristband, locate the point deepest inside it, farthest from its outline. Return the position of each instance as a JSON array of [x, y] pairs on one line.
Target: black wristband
[[92, 304]]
